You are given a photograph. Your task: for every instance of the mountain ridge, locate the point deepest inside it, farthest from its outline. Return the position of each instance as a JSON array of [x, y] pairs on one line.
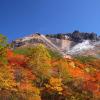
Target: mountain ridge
[[66, 44]]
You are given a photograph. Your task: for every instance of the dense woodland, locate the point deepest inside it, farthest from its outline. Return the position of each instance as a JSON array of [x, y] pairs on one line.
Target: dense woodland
[[38, 73]]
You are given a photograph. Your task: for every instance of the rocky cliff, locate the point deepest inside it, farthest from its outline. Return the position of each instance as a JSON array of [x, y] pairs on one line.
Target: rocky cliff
[[72, 44]]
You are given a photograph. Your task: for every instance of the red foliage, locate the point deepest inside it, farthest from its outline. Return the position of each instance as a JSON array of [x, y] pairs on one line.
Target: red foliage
[[91, 81], [16, 59], [91, 86]]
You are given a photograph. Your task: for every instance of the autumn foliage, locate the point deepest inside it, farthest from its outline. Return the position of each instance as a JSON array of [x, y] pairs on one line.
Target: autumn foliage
[[39, 76]]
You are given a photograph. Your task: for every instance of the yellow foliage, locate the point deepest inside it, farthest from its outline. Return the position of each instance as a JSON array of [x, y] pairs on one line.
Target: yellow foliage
[[72, 64], [6, 78], [40, 60], [35, 98], [62, 69], [55, 84]]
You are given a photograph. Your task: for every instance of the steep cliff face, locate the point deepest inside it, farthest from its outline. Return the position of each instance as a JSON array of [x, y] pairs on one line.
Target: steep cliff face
[[35, 39], [63, 45]]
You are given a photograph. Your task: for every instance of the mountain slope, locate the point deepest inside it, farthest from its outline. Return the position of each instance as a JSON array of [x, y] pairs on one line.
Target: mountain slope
[[34, 39], [65, 45], [86, 48]]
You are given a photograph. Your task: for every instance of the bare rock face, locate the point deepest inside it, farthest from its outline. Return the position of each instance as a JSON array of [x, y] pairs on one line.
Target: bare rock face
[[65, 46], [35, 39], [94, 52], [86, 48]]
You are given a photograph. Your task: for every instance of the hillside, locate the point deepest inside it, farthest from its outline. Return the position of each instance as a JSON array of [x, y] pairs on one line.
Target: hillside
[[75, 43], [39, 73]]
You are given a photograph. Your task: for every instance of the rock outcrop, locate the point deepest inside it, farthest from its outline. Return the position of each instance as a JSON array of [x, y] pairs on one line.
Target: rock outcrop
[[66, 44]]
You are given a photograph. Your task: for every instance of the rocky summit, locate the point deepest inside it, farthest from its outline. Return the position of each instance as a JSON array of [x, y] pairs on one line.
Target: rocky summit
[[76, 43]]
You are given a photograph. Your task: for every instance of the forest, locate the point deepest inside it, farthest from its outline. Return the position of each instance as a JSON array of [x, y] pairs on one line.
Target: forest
[[39, 73]]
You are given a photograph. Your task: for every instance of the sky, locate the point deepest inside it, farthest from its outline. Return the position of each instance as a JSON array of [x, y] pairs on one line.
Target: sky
[[19, 18]]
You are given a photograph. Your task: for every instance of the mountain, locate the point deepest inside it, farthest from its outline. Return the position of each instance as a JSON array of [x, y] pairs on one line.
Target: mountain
[[86, 48], [35, 39], [75, 43]]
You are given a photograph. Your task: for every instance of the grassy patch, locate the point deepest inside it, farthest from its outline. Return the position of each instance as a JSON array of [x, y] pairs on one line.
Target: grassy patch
[[85, 59]]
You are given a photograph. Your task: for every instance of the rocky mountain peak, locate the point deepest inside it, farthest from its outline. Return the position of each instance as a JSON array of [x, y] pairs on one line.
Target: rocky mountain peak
[[65, 43]]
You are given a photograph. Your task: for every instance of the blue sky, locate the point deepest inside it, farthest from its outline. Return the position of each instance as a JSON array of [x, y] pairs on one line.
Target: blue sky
[[22, 17]]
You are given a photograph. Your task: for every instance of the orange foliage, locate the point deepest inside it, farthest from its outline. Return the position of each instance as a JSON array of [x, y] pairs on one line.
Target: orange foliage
[[78, 64], [24, 86], [91, 82], [76, 72], [97, 76]]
